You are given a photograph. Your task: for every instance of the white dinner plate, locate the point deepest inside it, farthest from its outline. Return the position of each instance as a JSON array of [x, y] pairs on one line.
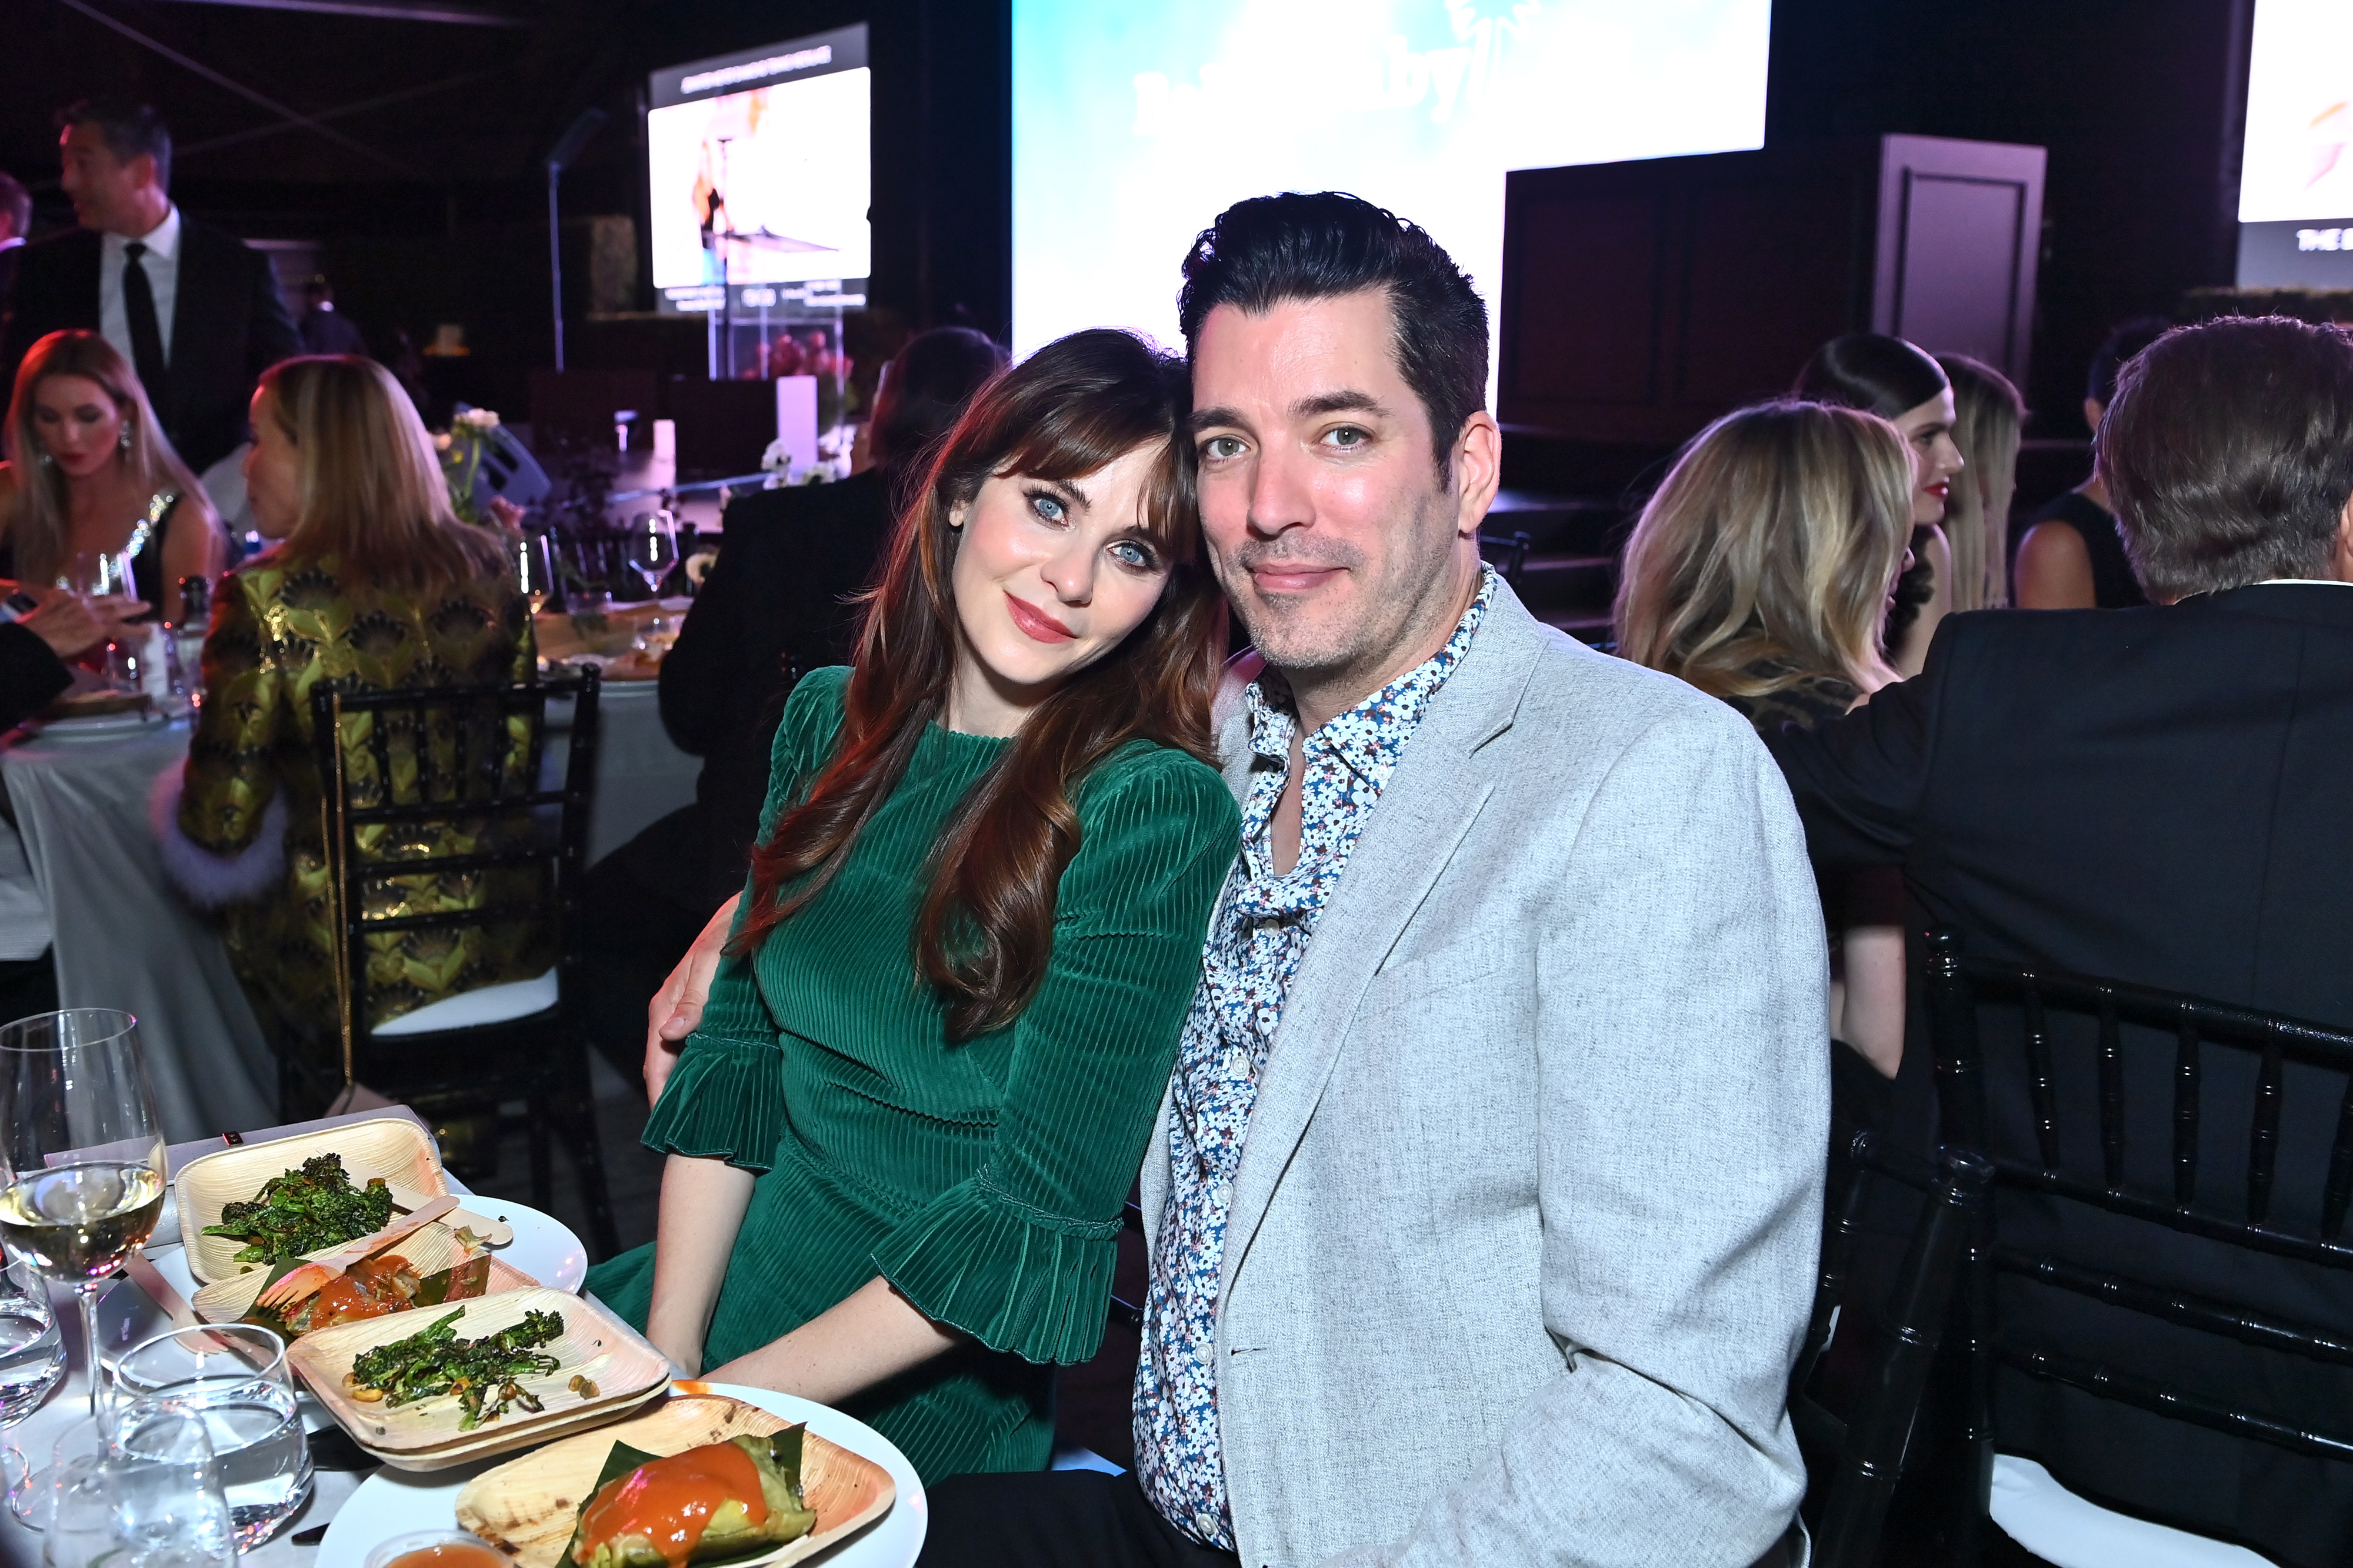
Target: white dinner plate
[[394, 1502], [99, 726]]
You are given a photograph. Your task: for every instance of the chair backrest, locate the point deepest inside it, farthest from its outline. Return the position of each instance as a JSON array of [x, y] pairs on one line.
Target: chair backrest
[[2137, 1033], [400, 770], [1854, 1465]]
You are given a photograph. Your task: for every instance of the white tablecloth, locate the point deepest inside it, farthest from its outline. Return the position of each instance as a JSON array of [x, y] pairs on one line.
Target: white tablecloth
[[123, 938]]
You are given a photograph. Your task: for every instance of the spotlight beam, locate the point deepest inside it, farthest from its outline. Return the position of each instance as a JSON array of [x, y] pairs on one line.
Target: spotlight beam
[[380, 10], [239, 88]]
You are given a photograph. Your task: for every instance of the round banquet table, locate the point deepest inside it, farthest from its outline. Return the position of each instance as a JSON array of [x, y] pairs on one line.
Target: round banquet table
[[123, 938]]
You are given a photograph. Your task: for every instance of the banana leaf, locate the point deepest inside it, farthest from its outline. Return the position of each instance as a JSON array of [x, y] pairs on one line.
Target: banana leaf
[[783, 1453]]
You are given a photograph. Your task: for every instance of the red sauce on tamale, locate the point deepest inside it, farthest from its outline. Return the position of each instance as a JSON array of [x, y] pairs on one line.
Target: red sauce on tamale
[[365, 1290], [670, 1501]]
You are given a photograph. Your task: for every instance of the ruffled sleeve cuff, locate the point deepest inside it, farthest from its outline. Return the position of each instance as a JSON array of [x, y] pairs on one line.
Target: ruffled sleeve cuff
[[725, 1100], [1015, 1278]]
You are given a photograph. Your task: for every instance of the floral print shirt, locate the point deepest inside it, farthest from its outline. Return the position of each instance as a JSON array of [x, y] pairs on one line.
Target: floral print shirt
[[1258, 935]]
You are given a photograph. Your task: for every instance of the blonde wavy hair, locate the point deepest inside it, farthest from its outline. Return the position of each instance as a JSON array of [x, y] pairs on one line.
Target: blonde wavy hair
[[1766, 556], [1988, 414], [369, 491], [39, 525]]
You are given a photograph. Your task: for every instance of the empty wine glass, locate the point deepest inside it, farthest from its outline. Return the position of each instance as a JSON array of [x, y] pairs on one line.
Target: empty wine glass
[[653, 547], [98, 572], [32, 1363], [83, 1153], [535, 570], [149, 1497], [234, 1377]]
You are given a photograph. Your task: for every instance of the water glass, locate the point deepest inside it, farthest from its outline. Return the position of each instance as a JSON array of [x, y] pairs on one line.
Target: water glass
[[235, 1378], [149, 1497], [32, 1361]]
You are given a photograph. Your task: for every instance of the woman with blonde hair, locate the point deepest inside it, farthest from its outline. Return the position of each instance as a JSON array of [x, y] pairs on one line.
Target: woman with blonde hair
[[1988, 415], [91, 473], [374, 585], [1760, 572]]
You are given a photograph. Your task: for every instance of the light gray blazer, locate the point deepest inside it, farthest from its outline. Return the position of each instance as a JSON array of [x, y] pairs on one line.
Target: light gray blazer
[[1522, 1239]]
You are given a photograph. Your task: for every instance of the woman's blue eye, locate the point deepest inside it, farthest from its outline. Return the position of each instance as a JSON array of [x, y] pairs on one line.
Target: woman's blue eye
[[1133, 555], [1048, 507]]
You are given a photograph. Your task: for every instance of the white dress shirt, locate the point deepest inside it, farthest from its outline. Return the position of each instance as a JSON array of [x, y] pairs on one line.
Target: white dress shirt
[[161, 264]]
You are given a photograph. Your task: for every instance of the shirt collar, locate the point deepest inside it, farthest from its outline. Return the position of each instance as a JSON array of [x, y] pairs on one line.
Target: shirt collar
[[12, 242], [163, 241], [2303, 581], [1395, 708]]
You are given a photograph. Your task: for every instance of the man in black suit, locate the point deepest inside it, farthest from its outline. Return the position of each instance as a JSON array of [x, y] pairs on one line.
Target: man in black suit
[[2159, 795], [193, 308], [15, 222]]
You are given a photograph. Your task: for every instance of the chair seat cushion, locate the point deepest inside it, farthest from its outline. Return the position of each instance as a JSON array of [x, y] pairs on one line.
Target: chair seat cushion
[[2070, 1531], [469, 1009]]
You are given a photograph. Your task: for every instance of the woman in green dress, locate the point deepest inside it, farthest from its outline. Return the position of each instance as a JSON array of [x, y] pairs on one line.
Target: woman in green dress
[[900, 1138], [375, 585]]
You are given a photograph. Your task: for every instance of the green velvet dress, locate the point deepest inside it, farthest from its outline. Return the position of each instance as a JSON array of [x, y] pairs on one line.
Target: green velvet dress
[[982, 1179]]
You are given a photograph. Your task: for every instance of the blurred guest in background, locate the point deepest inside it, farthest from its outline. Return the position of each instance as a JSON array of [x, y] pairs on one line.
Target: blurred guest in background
[[195, 310], [2071, 556], [1988, 415], [901, 1140], [90, 473], [2156, 795], [324, 330], [781, 600], [1760, 573], [1902, 385], [374, 583], [16, 224]]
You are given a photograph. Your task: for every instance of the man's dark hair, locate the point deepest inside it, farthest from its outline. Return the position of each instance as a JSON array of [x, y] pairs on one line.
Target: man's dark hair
[[924, 388], [1269, 249], [130, 128], [15, 206], [2124, 341], [2228, 451]]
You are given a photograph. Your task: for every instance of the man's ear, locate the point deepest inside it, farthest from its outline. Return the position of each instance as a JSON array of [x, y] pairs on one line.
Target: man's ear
[[1478, 471], [2094, 412], [2341, 559]]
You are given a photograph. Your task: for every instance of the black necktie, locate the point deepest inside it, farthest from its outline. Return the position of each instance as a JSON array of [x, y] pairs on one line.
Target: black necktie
[[146, 337]]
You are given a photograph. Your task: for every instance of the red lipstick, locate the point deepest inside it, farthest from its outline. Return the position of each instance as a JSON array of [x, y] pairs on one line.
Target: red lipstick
[[1035, 623]]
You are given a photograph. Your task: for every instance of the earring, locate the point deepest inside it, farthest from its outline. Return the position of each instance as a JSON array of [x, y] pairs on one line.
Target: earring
[[47, 461], [122, 439]]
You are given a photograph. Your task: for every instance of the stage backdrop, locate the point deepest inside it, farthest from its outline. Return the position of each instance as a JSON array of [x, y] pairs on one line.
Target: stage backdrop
[[1136, 122]]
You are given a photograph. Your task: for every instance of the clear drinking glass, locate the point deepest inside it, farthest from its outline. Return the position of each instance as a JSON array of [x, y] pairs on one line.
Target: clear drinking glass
[[535, 570], [97, 573], [150, 1498], [234, 1377], [32, 1363], [81, 1151], [653, 547]]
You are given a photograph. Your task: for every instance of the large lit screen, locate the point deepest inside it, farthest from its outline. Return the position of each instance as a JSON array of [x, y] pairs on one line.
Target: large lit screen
[[759, 164], [1137, 122], [2299, 147]]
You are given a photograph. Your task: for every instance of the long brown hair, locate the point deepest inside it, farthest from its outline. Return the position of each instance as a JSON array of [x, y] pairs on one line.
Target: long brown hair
[[986, 930], [38, 523], [370, 492], [1765, 555]]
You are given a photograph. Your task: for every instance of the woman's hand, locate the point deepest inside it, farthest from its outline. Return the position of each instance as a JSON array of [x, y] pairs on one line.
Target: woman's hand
[[72, 625], [677, 1007], [507, 515]]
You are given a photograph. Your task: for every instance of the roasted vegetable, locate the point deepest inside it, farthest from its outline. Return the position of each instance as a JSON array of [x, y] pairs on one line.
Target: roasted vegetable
[[481, 1372], [722, 1499], [303, 1210]]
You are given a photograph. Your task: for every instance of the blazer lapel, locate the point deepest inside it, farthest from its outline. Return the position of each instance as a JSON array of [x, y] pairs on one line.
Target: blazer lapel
[[1427, 806]]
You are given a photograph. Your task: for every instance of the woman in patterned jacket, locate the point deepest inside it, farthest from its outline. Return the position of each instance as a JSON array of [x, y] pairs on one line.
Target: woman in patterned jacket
[[375, 585]]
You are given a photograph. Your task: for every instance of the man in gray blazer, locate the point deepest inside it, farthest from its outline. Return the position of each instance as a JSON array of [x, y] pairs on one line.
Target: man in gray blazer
[[1485, 1202]]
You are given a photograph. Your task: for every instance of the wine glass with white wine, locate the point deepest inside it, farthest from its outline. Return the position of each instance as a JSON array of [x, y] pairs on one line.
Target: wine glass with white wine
[[535, 570], [653, 547], [83, 1150]]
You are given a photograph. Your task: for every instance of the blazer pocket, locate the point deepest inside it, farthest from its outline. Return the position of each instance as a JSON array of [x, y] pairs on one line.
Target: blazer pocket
[[1421, 984]]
